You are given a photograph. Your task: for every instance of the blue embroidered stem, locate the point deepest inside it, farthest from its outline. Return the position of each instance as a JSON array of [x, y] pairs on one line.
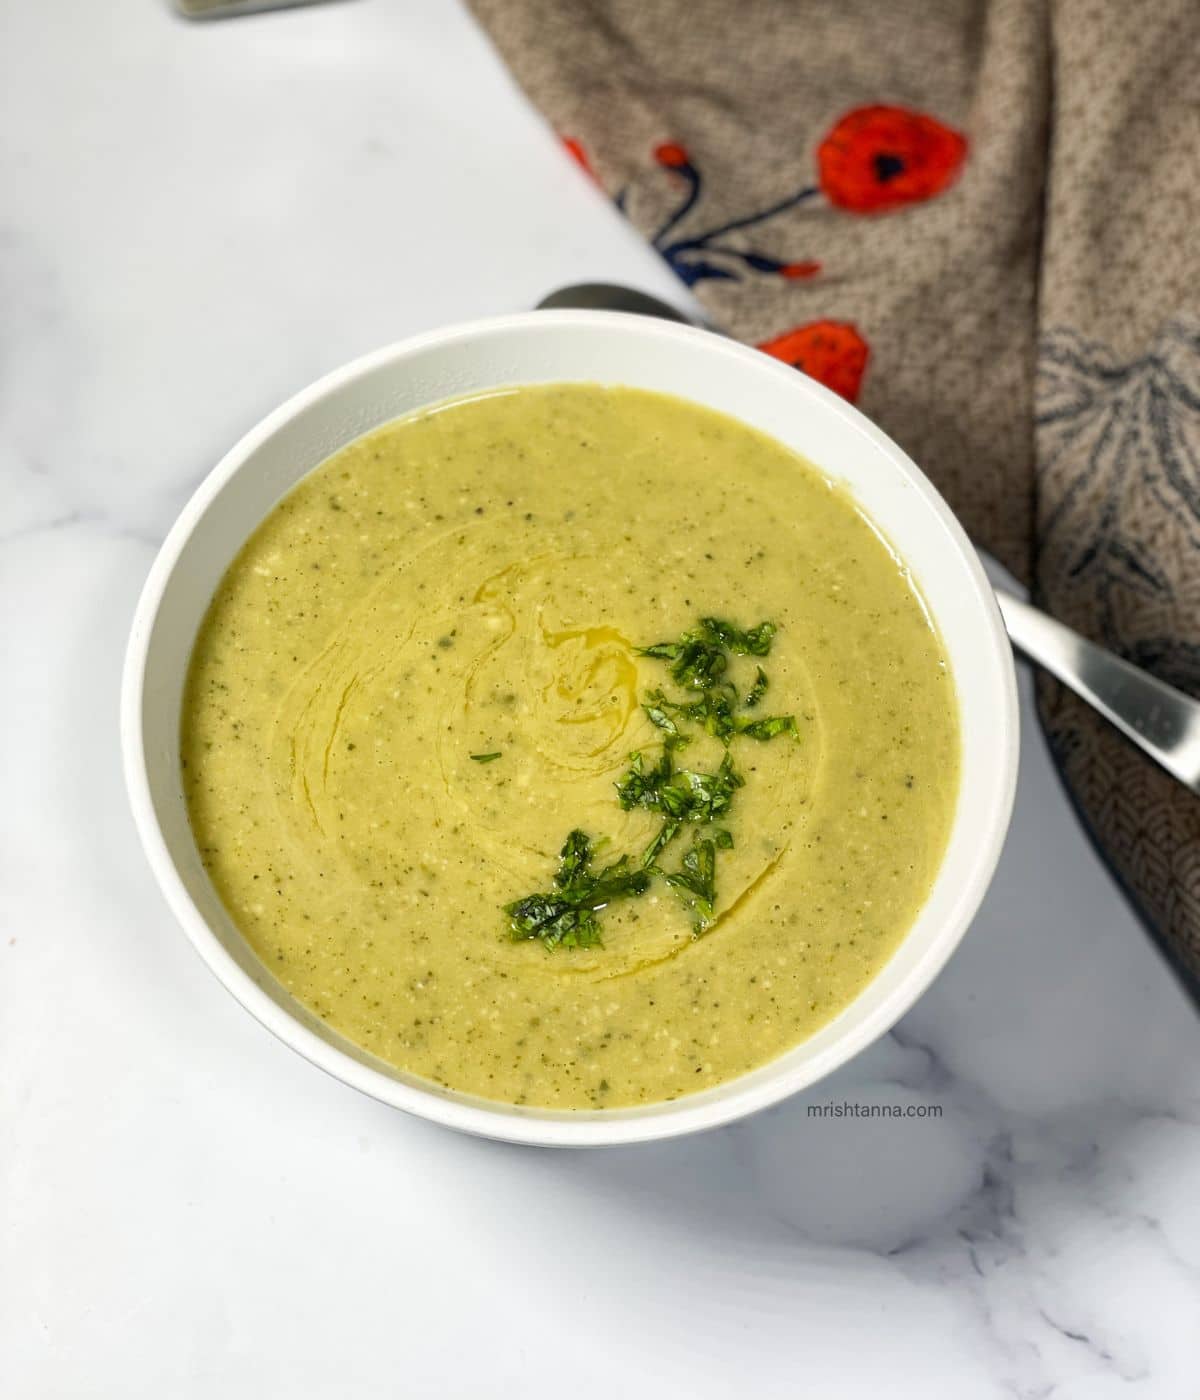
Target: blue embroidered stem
[[702, 240], [692, 176]]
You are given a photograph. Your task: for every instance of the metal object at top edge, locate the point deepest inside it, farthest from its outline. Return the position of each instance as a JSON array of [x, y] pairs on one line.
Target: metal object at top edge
[[228, 9]]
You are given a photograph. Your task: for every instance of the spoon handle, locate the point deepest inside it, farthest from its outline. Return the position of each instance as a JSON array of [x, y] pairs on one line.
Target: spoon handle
[[1161, 720]]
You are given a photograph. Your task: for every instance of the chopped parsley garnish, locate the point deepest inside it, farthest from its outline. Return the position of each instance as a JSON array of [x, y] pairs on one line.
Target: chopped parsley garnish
[[758, 689], [566, 917], [696, 880], [762, 729], [716, 712], [700, 658], [679, 794], [755, 642], [657, 715], [483, 757], [666, 834], [697, 662]]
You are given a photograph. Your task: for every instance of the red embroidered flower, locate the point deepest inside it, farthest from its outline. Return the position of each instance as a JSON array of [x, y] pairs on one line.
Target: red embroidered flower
[[672, 155], [878, 158], [832, 352], [574, 149]]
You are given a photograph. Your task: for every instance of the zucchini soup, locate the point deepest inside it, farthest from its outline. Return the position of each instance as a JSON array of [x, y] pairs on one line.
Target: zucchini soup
[[571, 746]]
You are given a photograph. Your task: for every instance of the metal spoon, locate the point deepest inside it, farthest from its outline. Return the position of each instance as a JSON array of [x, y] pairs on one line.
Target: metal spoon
[[1162, 721]]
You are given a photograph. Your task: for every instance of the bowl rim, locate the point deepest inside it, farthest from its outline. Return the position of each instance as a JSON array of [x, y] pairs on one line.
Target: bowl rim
[[567, 1128]]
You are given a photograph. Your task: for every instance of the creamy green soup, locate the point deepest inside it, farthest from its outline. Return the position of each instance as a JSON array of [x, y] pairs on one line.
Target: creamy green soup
[[426, 668]]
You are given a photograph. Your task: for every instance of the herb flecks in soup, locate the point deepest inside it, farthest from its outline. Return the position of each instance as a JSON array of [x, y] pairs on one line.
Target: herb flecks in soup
[[416, 694]]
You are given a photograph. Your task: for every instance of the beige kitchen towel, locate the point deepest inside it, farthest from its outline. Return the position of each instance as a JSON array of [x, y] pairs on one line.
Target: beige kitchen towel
[[979, 220]]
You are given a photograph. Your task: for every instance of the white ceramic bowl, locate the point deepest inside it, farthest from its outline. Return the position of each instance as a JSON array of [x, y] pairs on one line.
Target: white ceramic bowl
[[534, 348]]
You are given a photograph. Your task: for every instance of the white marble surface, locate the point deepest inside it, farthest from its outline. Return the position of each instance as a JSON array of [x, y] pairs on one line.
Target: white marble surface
[[193, 222]]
